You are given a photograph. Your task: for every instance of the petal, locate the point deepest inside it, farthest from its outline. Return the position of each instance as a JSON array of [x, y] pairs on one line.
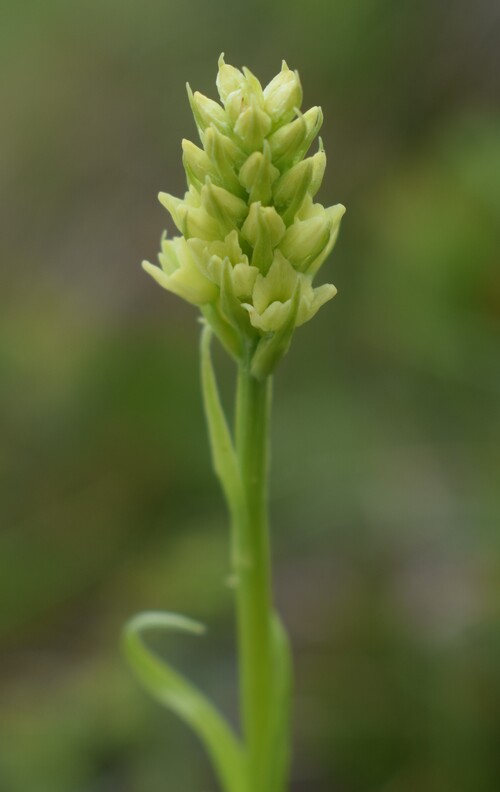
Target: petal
[[244, 277], [271, 319], [186, 281], [312, 300], [278, 284]]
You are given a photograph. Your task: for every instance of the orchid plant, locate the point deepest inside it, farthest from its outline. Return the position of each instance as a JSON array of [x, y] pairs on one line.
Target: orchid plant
[[251, 242]]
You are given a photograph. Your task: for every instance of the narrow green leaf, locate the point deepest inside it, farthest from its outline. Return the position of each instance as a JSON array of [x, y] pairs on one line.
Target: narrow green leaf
[[280, 706], [173, 691], [223, 454], [226, 334]]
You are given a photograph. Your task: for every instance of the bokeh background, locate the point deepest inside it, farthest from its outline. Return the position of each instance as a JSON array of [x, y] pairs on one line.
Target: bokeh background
[[386, 463]]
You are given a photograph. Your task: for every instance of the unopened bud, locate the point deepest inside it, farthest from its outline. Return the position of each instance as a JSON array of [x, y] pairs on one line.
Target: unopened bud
[[229, 79], [283, 95], [319, 165], [252, 126], [305, 240], [226, 157], [206, 112], [227, 209], [263, 229], [253, 88], [172, 205], [231, 306], [292, 188], [197, 164], [248, 94], [244, 276], [334, 214], [290, 142], [258, 175], [300, 182], [192, 221]]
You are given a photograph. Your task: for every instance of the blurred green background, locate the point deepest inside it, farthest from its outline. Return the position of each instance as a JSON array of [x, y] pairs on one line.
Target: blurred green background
[[386, 463]]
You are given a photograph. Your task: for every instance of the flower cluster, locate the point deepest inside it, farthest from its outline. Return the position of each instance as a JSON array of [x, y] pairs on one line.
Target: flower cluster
[[252, 237]]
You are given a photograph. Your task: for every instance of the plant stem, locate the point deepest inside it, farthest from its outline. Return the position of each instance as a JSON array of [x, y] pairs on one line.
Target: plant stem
[[253, 571]]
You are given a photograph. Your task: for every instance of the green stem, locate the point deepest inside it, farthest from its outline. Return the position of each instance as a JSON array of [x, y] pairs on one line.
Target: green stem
[[252, 558]]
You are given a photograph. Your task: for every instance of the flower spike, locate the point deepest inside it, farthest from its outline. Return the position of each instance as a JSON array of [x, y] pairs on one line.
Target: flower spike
[[256, 237]]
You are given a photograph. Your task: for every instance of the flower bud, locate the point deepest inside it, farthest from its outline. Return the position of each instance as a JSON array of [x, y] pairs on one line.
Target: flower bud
[[197, 165], [196, 222], [253, 88], [252, 126], [263, 217], [258, 175], [206, 112], [292, 188], [229, 79], [263, 229], [226, 157], [283, 95], [291, 142], [227, 209], [213, 269], [180, 275], [231, 306], [233, 250], [191, 220], [305, 240], [319, 165], [172, 205], [244, 276], [235, 104], [247, 95], [301, 180], [334, 214]]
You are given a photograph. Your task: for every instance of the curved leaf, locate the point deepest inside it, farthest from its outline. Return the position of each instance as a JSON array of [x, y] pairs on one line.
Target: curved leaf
[[223, 454], [173, 691], [279, 758]]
